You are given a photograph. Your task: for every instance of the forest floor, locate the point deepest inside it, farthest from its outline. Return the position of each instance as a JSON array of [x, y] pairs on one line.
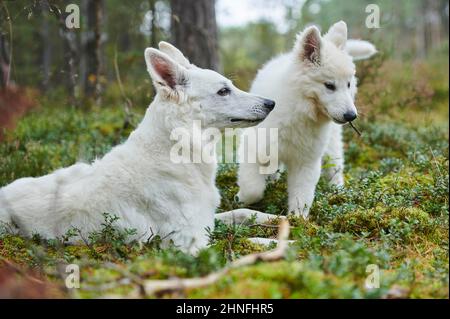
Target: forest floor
[[393, 212]]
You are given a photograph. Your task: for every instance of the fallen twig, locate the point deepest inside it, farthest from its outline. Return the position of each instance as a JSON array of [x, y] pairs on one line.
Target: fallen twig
[[265, 226], [152, 287], [20, 271]]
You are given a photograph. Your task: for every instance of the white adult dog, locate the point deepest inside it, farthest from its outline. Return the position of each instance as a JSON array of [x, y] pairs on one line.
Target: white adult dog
[[314, 86], [137, 180]]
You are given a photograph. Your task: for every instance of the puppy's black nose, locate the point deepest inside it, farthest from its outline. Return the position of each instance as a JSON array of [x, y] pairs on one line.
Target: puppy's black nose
[[269, 104], [349, 116]]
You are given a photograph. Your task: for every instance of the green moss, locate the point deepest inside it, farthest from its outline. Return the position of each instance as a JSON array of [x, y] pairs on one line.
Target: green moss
[[403, 223], [14, 249], [77, 251]]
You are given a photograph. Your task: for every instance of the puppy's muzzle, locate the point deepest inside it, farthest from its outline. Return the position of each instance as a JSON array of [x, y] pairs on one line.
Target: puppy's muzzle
[[350, 116]]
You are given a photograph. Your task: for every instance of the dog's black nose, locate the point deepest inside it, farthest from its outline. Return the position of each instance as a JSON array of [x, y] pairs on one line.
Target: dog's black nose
[[349, 116], [269, 104]]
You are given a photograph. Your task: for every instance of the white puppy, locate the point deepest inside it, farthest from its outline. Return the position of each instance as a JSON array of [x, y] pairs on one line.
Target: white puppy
[[314, 86], [138, 181]]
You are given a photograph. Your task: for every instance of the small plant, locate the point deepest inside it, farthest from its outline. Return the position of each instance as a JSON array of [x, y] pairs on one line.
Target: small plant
[[111, 238]]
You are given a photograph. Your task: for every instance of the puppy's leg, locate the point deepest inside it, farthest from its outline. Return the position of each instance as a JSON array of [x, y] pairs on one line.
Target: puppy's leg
[[242, 215], [277, 175], [302, 183], [251, 183], [334, 157]]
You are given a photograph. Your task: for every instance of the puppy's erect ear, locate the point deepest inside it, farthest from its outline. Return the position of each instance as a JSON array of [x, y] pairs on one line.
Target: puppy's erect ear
[[359, 49], [337, 34], [165, 72], [174, 53], [308, 45]]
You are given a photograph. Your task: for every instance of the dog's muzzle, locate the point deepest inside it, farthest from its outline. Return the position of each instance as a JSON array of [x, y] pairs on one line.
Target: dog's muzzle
[[264, 110], [269, 105]]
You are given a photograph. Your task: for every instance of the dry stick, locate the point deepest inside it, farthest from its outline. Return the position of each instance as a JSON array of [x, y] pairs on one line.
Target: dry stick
[[20, 271], [151, 287], [171, 285], [128, 104], [263, 225], [355, 129], [128, 276]]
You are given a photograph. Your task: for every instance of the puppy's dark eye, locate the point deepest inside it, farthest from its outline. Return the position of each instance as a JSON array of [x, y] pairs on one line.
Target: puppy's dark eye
[[224, 92], [348, 84], [330, 86]]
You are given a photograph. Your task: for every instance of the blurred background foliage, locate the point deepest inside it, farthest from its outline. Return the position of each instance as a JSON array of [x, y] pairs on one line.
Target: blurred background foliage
[[58, 62], [46, 65]]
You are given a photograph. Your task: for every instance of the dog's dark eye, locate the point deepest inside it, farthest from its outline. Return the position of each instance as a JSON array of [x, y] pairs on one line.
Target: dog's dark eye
[[330, 86], [224, 91], [348, 84]]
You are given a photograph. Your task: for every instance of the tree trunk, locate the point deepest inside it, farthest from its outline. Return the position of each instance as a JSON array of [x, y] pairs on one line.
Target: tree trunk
[[46, 50], [444, 17], [153, 26], [433, 23], [92, 51], [5, 67], [70, 51], [194, 31], [5, 53], [71, 58]]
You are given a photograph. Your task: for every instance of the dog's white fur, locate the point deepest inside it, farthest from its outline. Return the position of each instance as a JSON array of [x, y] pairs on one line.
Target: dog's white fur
[[308, 114], [137, 181]]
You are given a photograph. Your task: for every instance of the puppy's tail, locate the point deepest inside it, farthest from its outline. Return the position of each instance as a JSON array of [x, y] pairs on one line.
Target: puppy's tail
[[360, 49]]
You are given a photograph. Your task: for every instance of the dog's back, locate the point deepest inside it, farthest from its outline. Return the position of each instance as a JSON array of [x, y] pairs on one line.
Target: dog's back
[[38, 201]]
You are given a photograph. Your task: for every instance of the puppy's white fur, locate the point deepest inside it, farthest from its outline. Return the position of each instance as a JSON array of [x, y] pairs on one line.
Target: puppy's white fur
[[308, 114], [137, 181]]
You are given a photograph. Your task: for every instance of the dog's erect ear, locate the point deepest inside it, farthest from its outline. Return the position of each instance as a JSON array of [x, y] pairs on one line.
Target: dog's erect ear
[[308, 45], [165, 72], [337, 34], [174, 53]]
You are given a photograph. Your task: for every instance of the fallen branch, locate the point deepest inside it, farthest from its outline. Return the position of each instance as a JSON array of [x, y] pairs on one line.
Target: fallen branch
[[20, 271], [264, 226], [152, 287]]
